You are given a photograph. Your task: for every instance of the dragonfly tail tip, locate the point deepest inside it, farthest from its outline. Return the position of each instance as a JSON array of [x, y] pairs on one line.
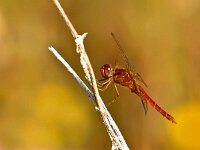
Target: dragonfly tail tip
[[173, 121]]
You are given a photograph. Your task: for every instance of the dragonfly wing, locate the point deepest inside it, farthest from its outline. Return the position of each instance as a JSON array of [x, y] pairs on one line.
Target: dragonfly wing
[[125, 58], [139, 78], [145, 105], [127, 63]]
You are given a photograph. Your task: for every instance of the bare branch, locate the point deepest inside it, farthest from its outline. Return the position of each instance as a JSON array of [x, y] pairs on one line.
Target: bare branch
[[69, 24], [117, 139], [77, 78]]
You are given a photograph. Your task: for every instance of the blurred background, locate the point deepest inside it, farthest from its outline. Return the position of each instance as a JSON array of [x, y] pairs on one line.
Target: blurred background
[[43, 108]]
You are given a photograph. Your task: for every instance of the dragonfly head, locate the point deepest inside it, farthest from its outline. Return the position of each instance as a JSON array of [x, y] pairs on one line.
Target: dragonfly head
[[106, 71]]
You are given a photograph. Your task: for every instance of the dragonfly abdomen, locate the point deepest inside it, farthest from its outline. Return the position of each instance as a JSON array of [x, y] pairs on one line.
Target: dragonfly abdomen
[[156, 106]]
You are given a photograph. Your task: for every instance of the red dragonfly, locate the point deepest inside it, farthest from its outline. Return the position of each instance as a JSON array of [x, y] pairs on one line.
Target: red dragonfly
[[125, 76]]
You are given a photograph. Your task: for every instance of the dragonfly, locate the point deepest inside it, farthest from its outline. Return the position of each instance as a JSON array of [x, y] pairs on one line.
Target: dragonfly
[[127, 77]]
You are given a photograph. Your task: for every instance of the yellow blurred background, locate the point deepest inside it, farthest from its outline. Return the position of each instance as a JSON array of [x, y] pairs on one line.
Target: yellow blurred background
[[43, 108]]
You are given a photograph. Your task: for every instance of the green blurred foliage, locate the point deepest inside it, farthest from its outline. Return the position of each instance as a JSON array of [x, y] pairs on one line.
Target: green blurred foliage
[[42, 107]]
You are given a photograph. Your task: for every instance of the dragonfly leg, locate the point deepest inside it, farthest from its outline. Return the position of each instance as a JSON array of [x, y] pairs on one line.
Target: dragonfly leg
[[104, 85], [100, 83], [104, 80], [115, 99]]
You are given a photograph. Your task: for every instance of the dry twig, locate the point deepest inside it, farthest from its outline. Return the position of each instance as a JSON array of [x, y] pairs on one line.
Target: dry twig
[[116, 137]]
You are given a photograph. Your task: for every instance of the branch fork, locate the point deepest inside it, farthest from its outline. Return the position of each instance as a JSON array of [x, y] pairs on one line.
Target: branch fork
[[115, 135]]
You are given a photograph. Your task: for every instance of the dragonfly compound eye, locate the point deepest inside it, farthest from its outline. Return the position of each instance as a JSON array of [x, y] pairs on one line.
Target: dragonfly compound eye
[[106, 71]]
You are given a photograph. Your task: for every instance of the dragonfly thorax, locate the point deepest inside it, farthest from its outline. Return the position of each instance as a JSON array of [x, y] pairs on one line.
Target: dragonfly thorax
[[106, 71]]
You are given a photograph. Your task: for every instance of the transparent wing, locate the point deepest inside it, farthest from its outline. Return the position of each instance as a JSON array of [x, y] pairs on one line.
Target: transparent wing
[[145, 105], [139, 78], [126, 60]]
